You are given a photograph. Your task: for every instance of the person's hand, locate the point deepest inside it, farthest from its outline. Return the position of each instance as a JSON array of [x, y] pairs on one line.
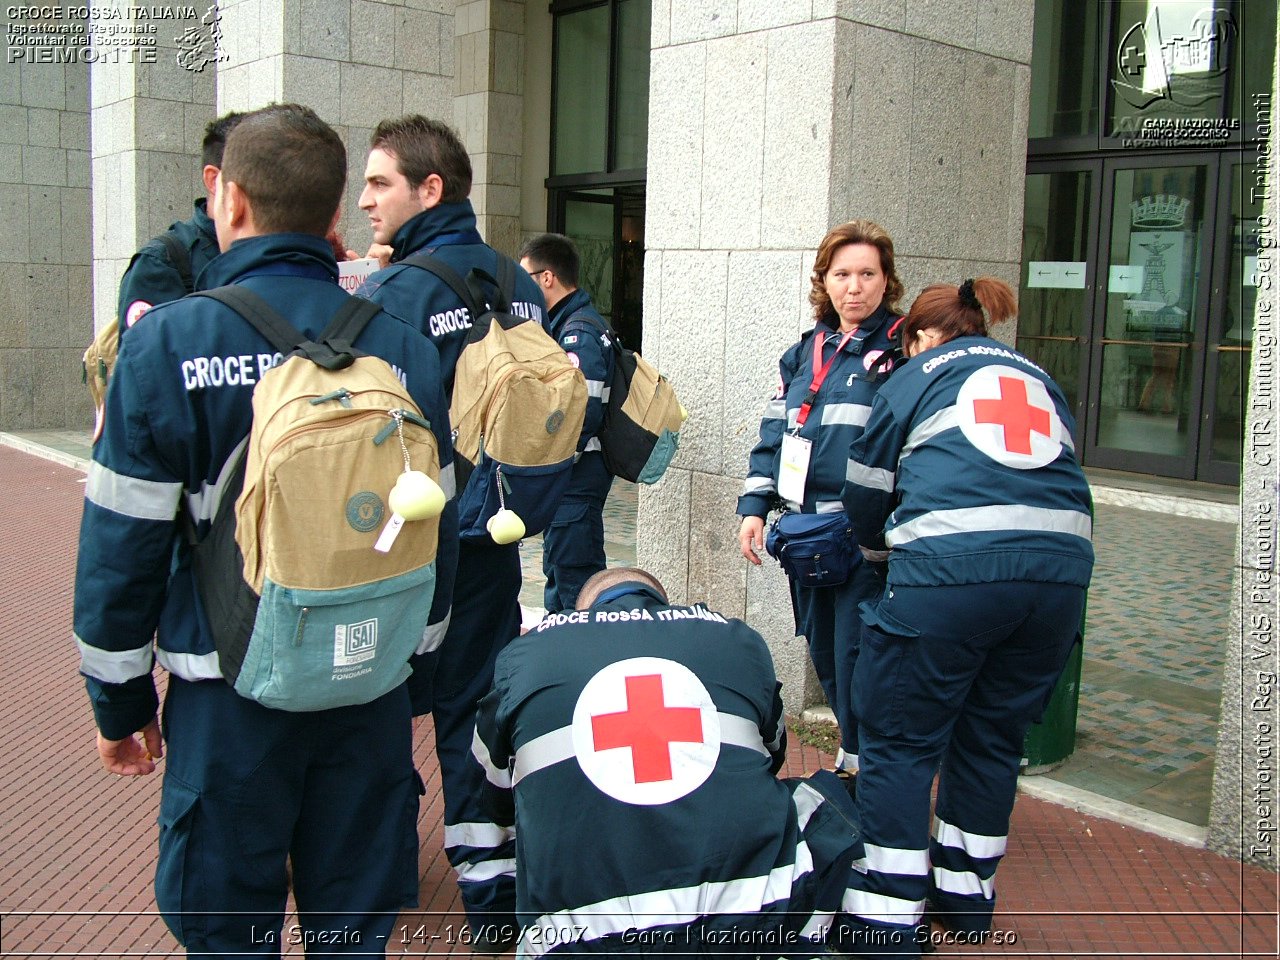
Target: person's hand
[[128, 757], [380, 252], [751, 538], [350, 255]]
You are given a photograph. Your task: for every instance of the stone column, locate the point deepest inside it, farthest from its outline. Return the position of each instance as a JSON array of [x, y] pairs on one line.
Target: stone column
[[1245, 810], [148, 116], [354, 62], [45, 317], [770, 123], [490, 112]]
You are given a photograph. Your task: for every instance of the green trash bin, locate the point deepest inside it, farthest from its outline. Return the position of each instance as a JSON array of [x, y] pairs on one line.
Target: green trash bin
[[1053, 739]]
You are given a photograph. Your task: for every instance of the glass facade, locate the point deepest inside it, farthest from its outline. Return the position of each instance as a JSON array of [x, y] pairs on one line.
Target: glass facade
[[599, 138], [1135, 290]]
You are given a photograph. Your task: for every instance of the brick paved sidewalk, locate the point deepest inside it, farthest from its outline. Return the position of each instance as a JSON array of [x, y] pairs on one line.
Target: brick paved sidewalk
[[77, 846]]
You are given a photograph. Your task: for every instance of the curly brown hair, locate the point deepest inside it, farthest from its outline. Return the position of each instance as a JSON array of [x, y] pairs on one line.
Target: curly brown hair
[[855, 231]]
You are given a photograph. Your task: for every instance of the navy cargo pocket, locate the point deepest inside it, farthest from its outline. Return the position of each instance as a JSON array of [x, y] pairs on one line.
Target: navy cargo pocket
[[177, 871], [878, 678]]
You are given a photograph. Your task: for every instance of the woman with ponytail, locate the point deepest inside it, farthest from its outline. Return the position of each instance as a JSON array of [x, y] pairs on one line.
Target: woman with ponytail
[[965, 480]]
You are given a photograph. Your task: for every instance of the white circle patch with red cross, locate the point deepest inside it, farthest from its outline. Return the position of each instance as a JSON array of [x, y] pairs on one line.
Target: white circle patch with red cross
[[135, 312], [1008, 415], [645, 731]]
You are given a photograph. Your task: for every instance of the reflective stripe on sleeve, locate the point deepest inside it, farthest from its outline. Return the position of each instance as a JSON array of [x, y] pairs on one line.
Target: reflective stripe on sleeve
[[190, 666], [131, 497], [806, 801], [494, 774], [829, 506], [592, 445], [595, 389], [977, 845], [433, 634], [872, 477], [204, 505], [477, 834], [775, 409], [940, 523], [114, 666], [848, 414], [757, 485]]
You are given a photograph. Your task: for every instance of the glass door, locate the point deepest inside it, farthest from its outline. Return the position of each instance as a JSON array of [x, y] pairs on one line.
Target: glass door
[[607, 226], [1136, 297], [1059, 231], [1230, 340], [1151, 317]]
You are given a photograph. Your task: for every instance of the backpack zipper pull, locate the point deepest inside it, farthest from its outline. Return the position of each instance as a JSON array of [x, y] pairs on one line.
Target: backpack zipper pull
[[342, 395]]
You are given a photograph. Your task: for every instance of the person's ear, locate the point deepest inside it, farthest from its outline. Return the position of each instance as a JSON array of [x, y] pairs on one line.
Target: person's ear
[[431, 191]]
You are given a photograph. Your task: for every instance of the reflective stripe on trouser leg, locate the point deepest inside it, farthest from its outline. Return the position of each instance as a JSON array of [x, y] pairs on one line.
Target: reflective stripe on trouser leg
[[484, 619]]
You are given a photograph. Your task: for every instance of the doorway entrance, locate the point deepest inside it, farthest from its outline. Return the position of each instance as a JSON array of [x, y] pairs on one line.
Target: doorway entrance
[[1136, 297]]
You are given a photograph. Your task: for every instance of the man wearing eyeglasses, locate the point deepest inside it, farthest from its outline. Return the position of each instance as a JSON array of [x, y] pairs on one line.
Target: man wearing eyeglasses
[[573, 545]]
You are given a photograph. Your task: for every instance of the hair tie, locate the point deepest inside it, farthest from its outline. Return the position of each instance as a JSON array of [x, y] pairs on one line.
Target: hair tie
[[968, 297]]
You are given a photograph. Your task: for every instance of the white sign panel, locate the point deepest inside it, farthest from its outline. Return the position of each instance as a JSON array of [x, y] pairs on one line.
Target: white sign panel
[[1125, 279], [352, 273], [1060, 274]]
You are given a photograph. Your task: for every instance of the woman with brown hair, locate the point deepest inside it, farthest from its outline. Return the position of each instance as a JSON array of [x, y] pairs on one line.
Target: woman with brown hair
[[966, 475], [823, 398]]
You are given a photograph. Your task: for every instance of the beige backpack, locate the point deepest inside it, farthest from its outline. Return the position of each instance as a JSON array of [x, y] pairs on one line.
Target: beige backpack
[[317, 593], [517, 408]]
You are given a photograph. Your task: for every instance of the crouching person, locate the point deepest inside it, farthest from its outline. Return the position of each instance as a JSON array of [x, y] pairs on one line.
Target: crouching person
[[634, 746]]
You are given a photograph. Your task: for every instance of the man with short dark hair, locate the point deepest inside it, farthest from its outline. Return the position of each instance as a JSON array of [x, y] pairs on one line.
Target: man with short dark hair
[[573, 545], [246, 788], [417, 180], [167, 267], [660, 727]]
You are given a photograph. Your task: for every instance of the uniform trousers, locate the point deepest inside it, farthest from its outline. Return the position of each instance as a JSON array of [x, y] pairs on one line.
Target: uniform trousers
[[950, 677], [573, 545], [247, 788], [485, 617], [828, 618]]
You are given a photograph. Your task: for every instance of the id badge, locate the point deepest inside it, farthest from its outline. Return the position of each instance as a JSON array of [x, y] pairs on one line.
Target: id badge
[[794, 469]]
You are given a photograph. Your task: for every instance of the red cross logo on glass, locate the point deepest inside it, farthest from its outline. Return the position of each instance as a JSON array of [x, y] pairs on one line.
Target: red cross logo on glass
[[1015, 413], [648, 727]]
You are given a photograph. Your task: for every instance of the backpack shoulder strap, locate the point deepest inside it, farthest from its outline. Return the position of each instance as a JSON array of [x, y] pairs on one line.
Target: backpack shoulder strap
[[449, 276], [333, 352], [604, 328], [279, 332], [179, 257], [504, 283], [349, 322]]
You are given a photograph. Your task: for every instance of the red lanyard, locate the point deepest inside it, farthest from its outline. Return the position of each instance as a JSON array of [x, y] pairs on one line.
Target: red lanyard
[[819, 374]]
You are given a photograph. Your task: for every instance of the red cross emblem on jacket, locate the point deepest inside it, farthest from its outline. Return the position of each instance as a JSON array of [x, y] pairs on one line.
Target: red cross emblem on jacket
[[1009, 415], [646, 731]]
